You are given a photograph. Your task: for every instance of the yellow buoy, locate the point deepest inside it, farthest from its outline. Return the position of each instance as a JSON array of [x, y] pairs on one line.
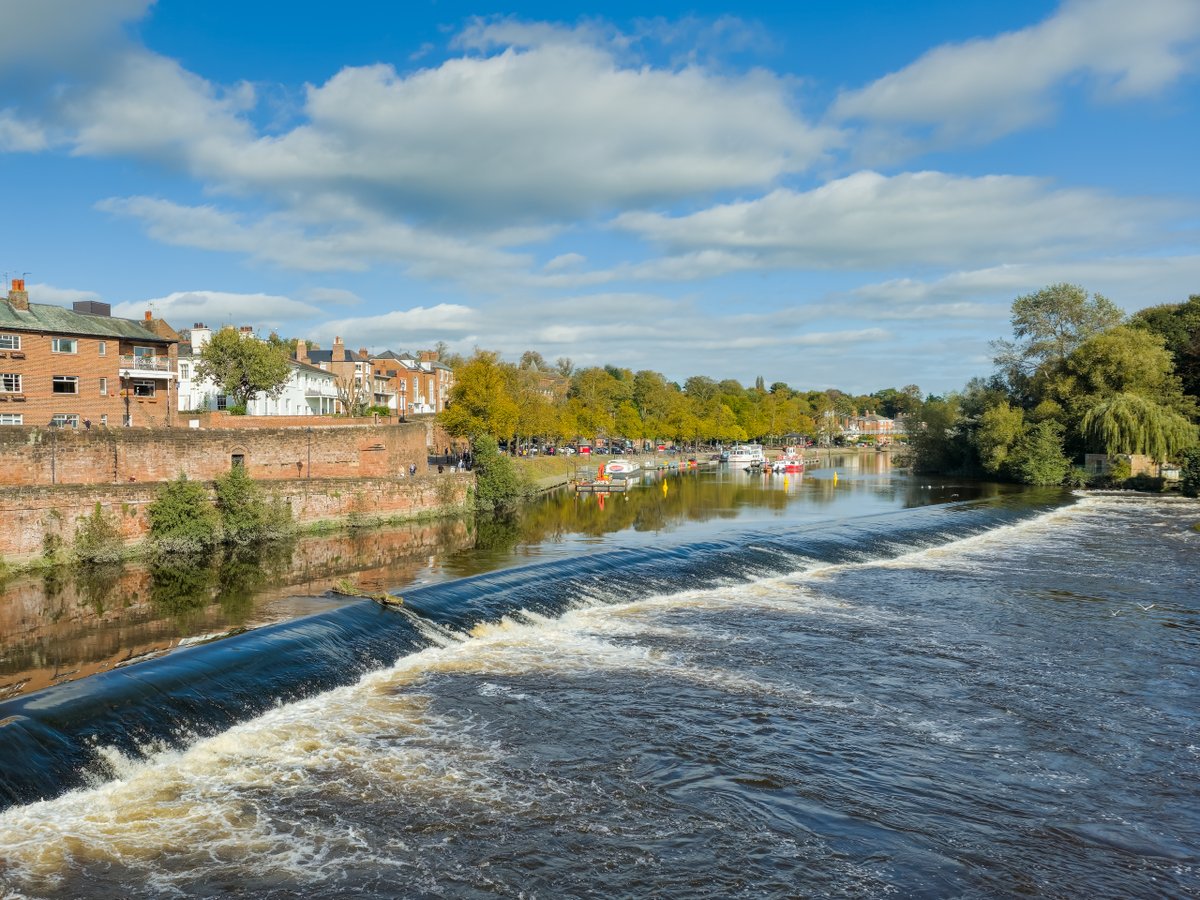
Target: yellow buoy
[[835, 477]]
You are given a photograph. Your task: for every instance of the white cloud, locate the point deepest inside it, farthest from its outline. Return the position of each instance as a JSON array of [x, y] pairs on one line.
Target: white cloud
[[58, 33], [981, 89], [18, 135], [215, 308], [868, 221], [48, 293], [294, 242]]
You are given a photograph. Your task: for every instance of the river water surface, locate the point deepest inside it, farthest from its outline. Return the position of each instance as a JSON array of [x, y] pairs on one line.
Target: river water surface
[[716, 686]]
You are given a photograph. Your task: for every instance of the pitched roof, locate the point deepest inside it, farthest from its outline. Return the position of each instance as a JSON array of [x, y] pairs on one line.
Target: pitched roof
[[47, 318]]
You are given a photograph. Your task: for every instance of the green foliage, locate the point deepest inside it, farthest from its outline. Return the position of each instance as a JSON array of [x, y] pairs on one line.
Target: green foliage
[[182, 519], [1119, 471], [246, 515], [1190, 474], [1038, 456], [1050, 324], [1000, 427], [1128, 423], [939, 440], [1179, 325], [243, 366], [98, 539], [498, 487], [1077, 477]]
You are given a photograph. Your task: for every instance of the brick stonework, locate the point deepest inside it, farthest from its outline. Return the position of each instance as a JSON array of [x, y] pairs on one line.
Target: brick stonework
[[58, 456], [37, 364], [31, 513]]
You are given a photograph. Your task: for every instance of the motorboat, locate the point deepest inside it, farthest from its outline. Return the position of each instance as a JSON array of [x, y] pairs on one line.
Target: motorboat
[[746, 456], [789, 460], [621, 466]]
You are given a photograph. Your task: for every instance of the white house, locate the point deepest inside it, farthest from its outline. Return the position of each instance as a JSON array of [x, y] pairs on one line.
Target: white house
[[309, 391]]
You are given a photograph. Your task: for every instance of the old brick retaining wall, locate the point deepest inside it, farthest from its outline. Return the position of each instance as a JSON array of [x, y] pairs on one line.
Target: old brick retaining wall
[[31, 512], [61, 456]]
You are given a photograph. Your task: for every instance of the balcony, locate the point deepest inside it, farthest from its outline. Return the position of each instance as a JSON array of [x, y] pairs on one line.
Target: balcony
[[147, 366]]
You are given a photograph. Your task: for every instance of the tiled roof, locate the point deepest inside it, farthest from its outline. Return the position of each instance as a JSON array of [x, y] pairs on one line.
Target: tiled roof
[[50, 319]]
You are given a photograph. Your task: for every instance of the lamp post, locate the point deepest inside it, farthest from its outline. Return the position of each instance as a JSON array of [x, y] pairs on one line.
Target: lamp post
[[128, 416]]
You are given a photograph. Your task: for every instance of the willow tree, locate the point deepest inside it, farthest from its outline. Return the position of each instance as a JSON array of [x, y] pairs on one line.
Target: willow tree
[[1128, 423]]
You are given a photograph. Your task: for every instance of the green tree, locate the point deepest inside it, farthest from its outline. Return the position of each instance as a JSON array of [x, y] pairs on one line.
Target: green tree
[[498, 487], [1190, 476], [1129, 423], [1179, 326], [1038, 456], [246, 514], [1051, 323], [243, 366], [1000, 428], [182, 518], [98, 538]]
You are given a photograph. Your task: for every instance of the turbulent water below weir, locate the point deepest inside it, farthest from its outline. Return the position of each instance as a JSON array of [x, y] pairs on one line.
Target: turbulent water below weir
[[974, 699]]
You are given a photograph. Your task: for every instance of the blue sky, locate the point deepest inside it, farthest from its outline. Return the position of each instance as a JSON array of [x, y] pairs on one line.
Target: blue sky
[[829, 193]]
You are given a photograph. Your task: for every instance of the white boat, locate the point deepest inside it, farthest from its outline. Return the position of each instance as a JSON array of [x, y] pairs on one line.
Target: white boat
[[746, 456], [619, 466]]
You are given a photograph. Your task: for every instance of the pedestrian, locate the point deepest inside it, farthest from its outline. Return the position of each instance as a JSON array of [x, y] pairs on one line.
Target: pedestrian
[[87, 424], [412, 468]]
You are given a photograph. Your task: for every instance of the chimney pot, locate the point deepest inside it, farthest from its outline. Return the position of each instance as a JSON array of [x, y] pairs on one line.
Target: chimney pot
[[149, 316]]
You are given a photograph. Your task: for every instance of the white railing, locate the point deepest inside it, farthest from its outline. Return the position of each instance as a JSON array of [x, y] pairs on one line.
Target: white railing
[[146, 363]]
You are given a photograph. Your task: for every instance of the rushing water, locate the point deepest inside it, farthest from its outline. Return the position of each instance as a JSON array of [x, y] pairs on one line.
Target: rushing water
[[808, 693]]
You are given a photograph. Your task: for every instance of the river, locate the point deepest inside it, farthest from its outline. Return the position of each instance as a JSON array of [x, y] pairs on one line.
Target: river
[[716, 685]]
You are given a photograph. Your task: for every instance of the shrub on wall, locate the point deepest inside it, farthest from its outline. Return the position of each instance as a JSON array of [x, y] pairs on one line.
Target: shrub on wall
[[1190, 475], [182, 519], [98, 538], [247, 516]]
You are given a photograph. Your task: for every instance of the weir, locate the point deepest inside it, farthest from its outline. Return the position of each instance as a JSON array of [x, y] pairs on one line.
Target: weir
[[51, 741]]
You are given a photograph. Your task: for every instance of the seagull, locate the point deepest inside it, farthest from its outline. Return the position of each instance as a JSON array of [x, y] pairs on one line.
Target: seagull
[[1146, 608], [1116, 612]]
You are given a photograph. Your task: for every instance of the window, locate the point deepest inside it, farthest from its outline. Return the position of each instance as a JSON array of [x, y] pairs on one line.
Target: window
[[144, 352], [103, 387], [10, 342], [104, 420], [11, 419], [64, 420], [64, 345], [237, 461], [10, 384], [102, 348], [222, 404], [66, 384], [143, 388], [183, 370]]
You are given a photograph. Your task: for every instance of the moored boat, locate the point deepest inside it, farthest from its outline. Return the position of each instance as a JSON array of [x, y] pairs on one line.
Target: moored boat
[[746, 456], [620, 466]]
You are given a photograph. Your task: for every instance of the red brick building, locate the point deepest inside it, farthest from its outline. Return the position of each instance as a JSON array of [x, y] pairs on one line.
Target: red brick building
[[81, 366]]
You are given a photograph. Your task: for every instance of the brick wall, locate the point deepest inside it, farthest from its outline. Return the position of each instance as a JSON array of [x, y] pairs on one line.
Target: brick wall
[[101, 393], [30, 513], [60, 456]]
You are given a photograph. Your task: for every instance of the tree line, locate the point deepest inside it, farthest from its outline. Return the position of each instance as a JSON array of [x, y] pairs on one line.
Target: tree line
[[1077, 376], [533, 402]]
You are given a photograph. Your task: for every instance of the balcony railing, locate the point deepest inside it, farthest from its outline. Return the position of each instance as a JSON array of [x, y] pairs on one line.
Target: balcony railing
[[146, 363]]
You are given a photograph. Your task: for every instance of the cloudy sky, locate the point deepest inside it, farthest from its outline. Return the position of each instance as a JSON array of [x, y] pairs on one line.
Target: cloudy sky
[[831, 193]]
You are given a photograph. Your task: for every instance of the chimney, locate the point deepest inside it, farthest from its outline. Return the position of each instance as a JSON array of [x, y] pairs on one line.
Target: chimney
[[301, 351], [245, 330], [429, 356], [339, 350], [149, 316], [362, 352], [18, 296]]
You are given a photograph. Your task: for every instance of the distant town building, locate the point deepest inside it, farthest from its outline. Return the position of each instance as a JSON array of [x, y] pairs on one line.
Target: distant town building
[[81, 367]]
